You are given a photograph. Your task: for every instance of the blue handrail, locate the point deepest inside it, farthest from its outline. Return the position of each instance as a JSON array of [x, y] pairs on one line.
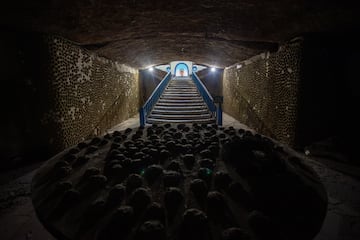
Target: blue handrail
[[148, 106], [215, 111]]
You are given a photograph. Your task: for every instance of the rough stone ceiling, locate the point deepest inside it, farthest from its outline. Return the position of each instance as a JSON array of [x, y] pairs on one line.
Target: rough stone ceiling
[[214, 32]]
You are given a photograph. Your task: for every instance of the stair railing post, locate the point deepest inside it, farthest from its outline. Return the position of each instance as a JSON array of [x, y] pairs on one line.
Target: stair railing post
[[218, 100], [142, 117], [219, 115]]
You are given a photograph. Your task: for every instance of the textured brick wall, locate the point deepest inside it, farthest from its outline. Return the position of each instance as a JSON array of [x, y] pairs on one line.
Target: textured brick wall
[[87, 94], [262, 92]]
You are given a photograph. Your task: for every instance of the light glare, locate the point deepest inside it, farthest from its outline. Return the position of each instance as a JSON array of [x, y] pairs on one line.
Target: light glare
[[151, 69], [213, 69]]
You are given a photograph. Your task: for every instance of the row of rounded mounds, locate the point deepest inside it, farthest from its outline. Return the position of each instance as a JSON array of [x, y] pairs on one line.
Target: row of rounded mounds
[[172, 177], [218, 210], [64, 189], [191, 142], [195, 222], [71, 197], [118, 165], [122, 224], [183, 127], [153, 172], [137, 149], [140, 208], [152, 153], [135, 182], [63, 168], [133, 191], [54, 171], [194, 225], [173, 201], [117, 169], [222, 183], [76, 157], [141, 202], [139, 199], [65, 195]]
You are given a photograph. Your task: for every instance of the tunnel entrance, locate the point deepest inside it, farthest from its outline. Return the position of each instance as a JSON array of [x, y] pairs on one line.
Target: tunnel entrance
[[181, 70]]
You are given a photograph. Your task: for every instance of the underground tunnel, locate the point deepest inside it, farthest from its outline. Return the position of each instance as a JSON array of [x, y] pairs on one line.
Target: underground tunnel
[[179, 119]]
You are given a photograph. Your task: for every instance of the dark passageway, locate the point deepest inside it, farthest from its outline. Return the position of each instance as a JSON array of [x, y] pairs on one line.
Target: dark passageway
[[283, 72]]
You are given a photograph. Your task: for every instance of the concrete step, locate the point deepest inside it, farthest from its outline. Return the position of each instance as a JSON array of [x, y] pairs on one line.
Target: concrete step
[[183, 80], [179, 116], [161, 100], [180, 107], [180, 98], [180, 94], [181, 89], [180, 103], [209, 120], [181, 84], [181, 112]]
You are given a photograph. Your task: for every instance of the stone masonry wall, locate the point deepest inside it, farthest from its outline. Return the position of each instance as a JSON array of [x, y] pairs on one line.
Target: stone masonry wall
[[88, 94], [262, 92]]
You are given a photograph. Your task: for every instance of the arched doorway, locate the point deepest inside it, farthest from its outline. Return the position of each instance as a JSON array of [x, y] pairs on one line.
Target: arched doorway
[[181, 70]]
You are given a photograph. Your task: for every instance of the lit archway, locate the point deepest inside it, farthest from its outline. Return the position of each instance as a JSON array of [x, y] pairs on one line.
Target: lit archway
[[181, 70]]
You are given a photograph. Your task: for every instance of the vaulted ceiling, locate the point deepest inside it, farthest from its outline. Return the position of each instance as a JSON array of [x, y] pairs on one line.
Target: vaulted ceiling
[[214, 32]]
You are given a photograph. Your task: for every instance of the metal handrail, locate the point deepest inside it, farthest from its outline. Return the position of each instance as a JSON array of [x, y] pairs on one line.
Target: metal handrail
[[148, 106], [215, 111], [204, 93]]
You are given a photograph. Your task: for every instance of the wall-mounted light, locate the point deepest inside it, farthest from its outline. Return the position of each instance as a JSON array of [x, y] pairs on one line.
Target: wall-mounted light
[[151, 69], [213, 69]]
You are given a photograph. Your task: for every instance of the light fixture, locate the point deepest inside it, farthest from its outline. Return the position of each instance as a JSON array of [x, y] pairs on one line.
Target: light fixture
[[213, 69], [151, 69]]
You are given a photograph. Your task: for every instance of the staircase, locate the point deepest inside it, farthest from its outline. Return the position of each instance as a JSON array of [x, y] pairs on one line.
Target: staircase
[[180, 103]]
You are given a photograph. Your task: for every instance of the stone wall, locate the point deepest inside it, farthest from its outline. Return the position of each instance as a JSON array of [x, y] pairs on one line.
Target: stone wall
[[90, 93], [263, 91], [55, 94]]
